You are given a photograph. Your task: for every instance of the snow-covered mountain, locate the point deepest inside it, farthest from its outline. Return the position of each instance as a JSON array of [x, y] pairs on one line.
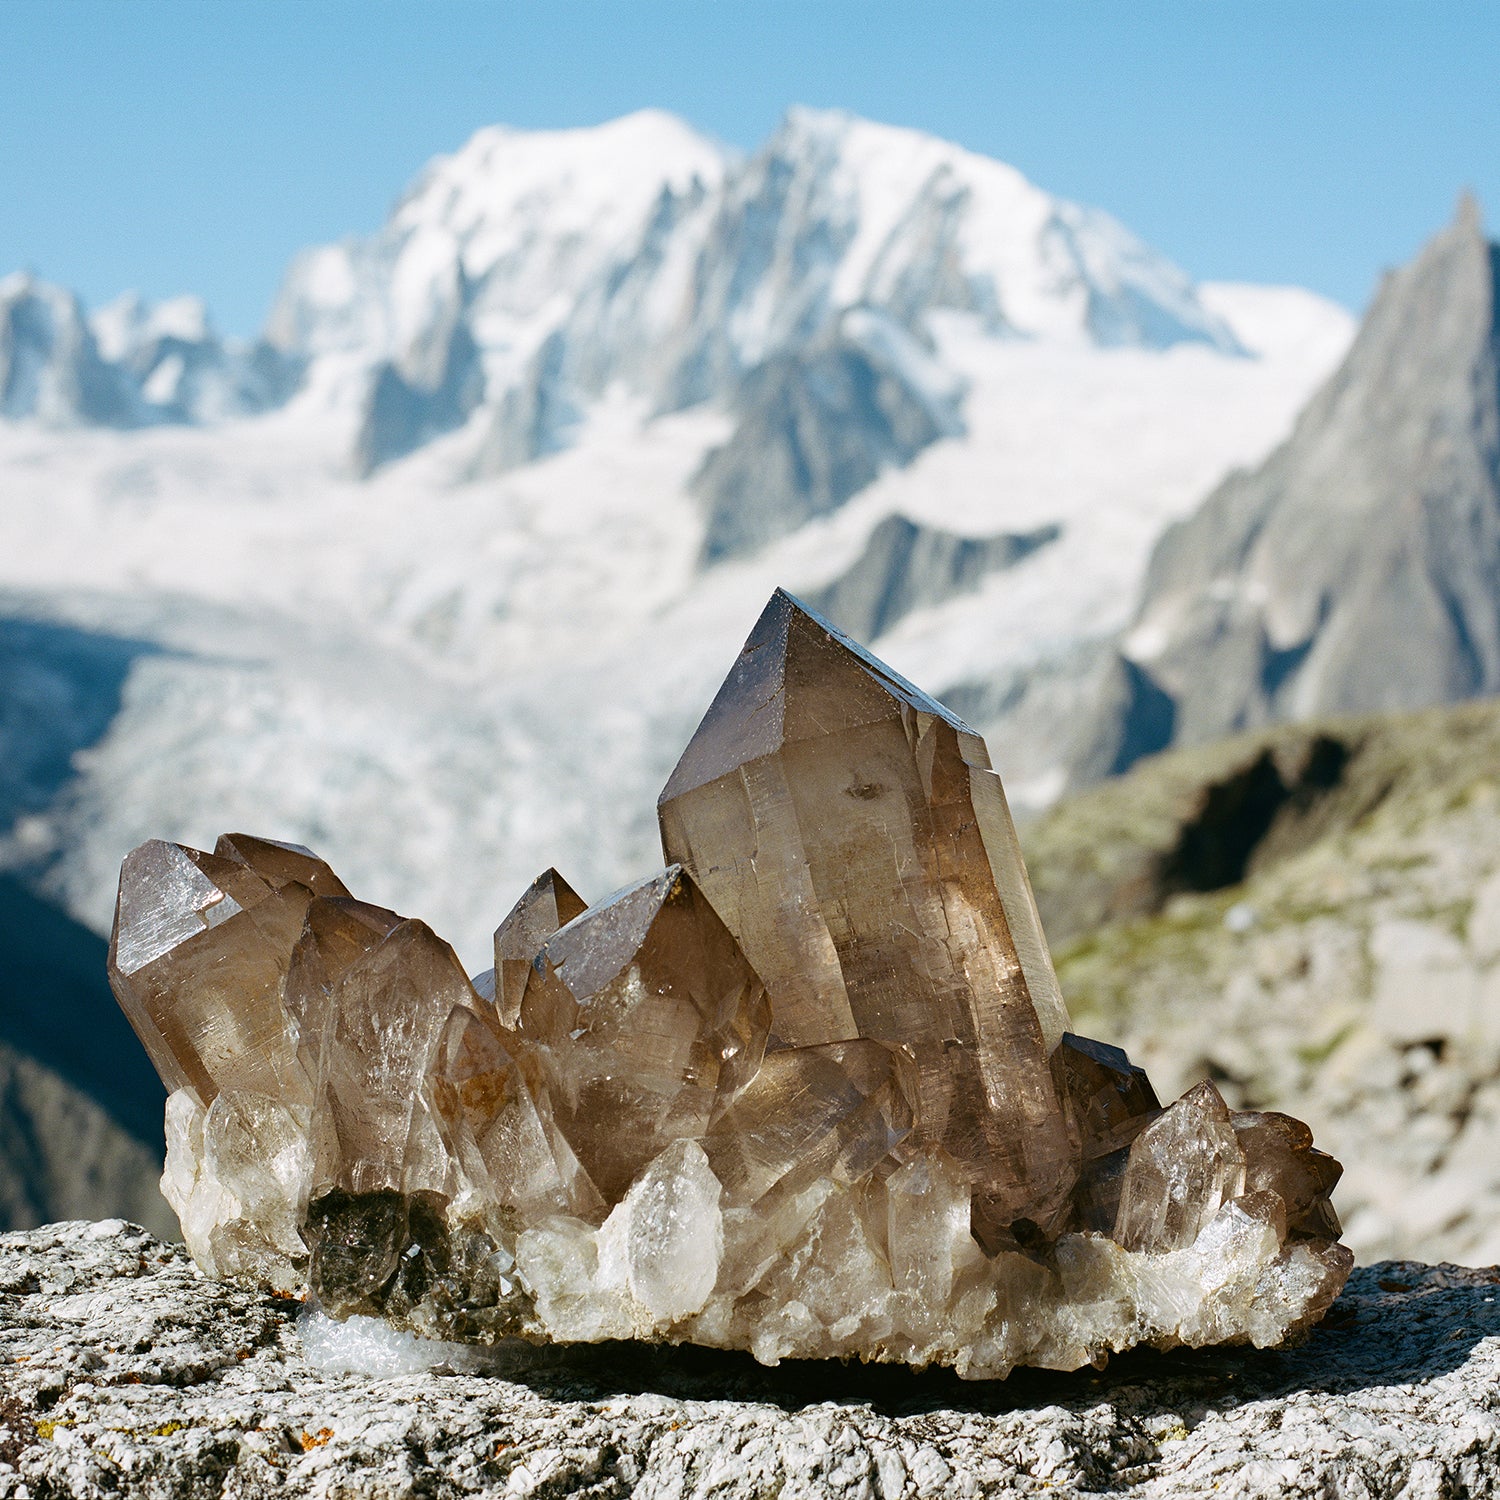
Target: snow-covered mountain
[[130, 365], [449, 610], [530, 273]]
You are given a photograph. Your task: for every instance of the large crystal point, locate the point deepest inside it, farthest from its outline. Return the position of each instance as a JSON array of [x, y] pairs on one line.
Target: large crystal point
[[810, 1092], [851, 833], [648, 1017], [549, 903]]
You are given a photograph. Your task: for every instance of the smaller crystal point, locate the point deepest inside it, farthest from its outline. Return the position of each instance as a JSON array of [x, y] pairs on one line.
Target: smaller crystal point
[[280, 864], [549, 903], [375, 1006], [338, 932], [1108, 1101], [198, 960], [499, 1126], [1280, 1158], [1182, 1168], [647, 1018], [665, 1240]]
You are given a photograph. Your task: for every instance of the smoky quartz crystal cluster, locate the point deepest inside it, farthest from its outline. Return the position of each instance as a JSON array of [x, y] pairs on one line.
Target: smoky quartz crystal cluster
[[809, 1091]]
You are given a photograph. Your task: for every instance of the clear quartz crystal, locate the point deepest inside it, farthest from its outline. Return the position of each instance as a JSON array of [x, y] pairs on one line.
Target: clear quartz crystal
[[810, 1091], [1182, 1168]]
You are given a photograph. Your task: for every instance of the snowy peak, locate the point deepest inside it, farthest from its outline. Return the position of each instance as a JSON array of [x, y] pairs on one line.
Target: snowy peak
[[509, 232], [593, 183], [50, 367], [527, 274], [178, 367], [128, 324], [131, 364], [530, 271], [910, 223]]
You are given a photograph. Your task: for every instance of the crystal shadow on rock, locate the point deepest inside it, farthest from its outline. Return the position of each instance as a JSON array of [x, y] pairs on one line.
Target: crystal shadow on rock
[[809, 1092], [1372, 1338]]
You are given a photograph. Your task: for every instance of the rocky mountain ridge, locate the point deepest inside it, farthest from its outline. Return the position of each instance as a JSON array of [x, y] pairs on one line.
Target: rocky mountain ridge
[[1358, 569]]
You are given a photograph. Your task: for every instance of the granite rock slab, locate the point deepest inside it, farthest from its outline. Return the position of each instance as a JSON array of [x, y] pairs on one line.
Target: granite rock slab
[[124, 1372]]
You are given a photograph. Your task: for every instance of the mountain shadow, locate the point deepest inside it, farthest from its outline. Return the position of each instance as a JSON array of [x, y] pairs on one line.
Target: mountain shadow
[[56, 1007]]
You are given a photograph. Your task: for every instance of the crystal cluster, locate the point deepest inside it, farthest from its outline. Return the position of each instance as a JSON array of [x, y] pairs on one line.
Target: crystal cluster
[[811, 1090]]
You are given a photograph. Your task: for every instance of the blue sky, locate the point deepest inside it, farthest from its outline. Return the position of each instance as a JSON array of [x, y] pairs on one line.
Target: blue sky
[[183, 145]]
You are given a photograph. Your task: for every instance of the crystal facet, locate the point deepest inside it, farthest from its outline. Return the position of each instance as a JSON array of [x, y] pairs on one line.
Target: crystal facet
[[809, 1091], [548, 904]]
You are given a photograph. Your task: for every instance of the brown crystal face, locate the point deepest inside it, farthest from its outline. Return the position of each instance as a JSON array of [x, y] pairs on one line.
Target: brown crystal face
[[549, 903], [198, 961], [1107, 1100], [834, 1111], [851, 833], [647, 1017], [1181, 1169], [280, 864], [1280, 1158], [494, 1106], [373, 993]]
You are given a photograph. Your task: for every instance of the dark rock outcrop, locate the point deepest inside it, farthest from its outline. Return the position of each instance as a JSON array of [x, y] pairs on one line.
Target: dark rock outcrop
[[406, 408], [814, 427], [906, 566], [80, 1107]]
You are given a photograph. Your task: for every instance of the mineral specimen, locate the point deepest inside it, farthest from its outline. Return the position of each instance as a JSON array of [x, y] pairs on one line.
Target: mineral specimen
[[810, 1091]]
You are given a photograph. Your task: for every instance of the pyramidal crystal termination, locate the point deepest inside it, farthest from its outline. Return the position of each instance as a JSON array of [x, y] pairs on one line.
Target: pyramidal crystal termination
[[811, 1090]]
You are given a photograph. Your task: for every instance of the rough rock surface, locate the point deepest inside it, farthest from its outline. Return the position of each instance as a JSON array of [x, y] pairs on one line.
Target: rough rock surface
[[124, 1372], [1310, 916]]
